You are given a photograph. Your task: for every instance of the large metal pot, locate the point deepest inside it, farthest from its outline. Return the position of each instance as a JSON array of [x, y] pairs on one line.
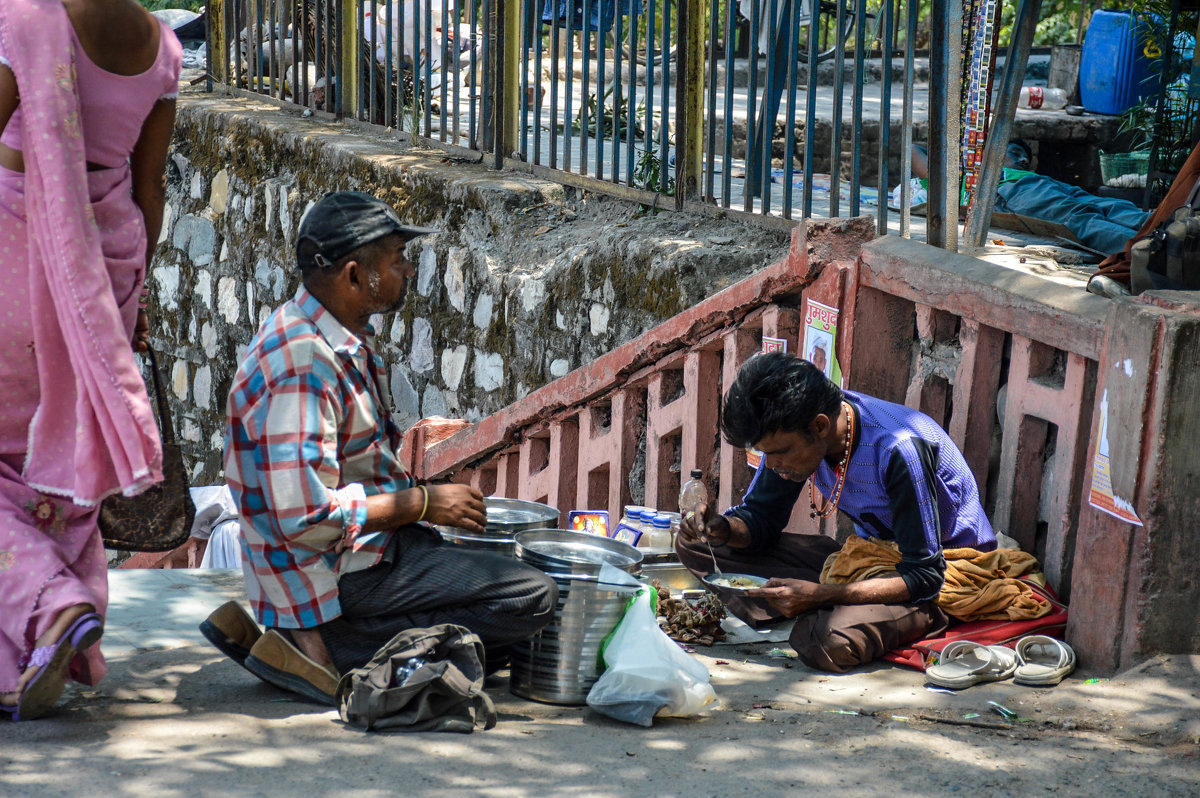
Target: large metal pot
[[505, 518], [559, 664]]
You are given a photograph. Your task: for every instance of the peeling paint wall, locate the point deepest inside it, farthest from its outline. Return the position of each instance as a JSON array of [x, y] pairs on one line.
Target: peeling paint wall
[[526, 281]]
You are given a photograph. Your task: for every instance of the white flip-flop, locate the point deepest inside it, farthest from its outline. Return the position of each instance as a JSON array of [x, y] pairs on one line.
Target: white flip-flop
[[1043, 661], [964, 663]]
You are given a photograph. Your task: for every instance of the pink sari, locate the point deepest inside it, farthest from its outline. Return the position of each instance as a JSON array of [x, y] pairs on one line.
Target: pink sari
[[72, 255]]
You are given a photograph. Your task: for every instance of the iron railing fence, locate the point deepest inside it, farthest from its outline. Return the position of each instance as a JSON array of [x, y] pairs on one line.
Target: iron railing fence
[[742, 105]]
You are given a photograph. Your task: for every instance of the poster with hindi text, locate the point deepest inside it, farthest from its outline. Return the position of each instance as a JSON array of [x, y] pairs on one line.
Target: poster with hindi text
[[820, 339]]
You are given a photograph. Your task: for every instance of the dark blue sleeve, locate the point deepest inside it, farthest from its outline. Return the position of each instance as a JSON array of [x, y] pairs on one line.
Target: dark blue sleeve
[[766, 507], [912, 498]]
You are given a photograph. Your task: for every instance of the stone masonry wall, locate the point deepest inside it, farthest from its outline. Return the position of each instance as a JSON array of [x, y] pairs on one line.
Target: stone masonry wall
[[526, 281]]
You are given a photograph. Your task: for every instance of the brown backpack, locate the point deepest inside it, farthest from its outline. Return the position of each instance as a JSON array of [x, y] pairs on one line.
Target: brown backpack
[[420, 680]]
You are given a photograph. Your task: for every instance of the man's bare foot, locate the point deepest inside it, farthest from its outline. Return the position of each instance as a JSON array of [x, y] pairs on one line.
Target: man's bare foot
[[62, 623], [309, 641]]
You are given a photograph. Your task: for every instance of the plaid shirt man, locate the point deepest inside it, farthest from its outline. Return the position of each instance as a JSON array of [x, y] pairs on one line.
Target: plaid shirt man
[[309, 437]]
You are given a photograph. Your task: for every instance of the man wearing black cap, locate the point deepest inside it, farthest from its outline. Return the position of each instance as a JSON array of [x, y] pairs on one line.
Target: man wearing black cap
[[337, 552]]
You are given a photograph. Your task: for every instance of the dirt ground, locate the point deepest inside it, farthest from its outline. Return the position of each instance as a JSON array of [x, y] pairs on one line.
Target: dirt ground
[[174, 718]]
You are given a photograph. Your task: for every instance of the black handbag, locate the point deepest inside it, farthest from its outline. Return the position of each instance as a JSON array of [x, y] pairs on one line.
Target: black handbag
[[160, 518]]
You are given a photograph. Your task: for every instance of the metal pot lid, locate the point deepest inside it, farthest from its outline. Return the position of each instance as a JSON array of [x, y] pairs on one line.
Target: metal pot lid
[[569, 547], [505, 513]]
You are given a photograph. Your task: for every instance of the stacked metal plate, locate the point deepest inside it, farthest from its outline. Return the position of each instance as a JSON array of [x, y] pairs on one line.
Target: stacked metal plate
[[559, 664], [505, 518]]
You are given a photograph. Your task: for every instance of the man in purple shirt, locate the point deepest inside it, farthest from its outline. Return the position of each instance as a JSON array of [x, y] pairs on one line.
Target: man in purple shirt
[[891, 470]]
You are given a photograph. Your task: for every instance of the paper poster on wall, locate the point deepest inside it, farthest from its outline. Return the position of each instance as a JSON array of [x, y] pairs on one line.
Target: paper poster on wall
[[769, 344], [1101, 495], [820, 336]]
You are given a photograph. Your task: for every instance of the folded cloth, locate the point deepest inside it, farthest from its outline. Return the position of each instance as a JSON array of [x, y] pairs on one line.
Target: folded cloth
[[979, 585]]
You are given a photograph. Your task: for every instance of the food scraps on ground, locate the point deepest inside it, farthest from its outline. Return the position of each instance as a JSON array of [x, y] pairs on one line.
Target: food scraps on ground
[[687, 621]]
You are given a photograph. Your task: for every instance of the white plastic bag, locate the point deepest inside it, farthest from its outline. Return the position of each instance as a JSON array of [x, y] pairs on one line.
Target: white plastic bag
[[648, 674]]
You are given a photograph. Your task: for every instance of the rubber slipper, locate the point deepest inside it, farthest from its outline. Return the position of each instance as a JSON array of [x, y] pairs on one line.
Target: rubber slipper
[[1043, 661], [964, 663], [42, 691]]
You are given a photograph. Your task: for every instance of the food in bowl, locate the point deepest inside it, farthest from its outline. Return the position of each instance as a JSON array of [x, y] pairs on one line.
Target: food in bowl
[[735, 581]]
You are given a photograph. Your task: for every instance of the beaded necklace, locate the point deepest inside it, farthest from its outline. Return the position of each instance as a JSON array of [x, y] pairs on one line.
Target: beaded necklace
[[831, 504]]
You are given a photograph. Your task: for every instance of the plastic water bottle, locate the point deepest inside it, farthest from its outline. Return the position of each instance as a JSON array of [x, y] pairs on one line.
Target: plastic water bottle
[[660, 533], [1047, 99], [693, 493]]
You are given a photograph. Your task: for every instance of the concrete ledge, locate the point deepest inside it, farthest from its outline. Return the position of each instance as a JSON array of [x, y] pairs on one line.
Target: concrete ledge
[[1037, 309]]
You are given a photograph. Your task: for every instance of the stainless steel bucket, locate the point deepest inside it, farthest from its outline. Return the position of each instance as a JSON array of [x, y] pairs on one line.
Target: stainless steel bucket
[[559, 664], [505, 518]]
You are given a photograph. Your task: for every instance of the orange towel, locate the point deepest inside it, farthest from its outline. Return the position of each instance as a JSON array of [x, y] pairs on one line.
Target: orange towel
[[979, 585]]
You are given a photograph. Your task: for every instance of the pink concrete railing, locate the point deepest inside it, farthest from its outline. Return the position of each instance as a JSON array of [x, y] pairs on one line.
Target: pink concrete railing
[[938, 331]]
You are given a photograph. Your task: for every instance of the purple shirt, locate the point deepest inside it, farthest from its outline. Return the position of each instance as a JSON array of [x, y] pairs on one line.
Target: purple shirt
[[906, 481]]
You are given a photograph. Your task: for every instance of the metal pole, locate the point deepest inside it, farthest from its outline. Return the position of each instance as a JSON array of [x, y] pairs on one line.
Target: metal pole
[[689, 99], [984, 199], [945, 123]]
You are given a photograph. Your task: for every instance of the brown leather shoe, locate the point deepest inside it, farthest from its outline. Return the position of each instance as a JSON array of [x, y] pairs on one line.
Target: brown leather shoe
[[274, 659], [231, 629]]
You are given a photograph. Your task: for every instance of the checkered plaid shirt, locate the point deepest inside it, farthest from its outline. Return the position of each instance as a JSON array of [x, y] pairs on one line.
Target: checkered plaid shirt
[[309, 436]]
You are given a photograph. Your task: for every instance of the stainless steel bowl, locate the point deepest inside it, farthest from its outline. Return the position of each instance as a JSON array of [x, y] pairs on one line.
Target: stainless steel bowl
[[505, 518]]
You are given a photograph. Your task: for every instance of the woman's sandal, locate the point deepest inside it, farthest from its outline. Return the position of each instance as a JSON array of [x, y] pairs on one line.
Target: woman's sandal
[[964, 663], [1043, 661], [42, 691]]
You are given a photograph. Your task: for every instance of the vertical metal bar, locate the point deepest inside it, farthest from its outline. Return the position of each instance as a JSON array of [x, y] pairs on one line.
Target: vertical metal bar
[[839, 89], [476, 94], [556, 10], [349, 39], [427, 84], [601, 41], [945, 124], [508, 98], [710, 138], [526, 32], [810, 116], [751, 101], [727, 119], [885, 113], [254, 51], [664, 166], [767, 122], [537, 65], [584, 110], [569, 122], [455, 72], [372, 61], [297, 61], [689, 100], [631, 101], [619, 122], [447, 74], [910, 38], [650, 23], [860, 68], [984, 199], [795, 10]]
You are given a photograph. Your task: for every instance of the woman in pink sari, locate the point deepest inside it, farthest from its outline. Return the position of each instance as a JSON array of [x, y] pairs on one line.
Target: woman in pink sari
[[87, 104]]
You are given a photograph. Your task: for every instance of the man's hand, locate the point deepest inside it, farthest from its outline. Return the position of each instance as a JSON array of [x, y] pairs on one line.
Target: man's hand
[[703, 525], [456, 505], [790, 596]]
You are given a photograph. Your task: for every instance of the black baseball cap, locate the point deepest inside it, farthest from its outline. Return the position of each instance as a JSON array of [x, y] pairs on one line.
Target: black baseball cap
[[342, 221]]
